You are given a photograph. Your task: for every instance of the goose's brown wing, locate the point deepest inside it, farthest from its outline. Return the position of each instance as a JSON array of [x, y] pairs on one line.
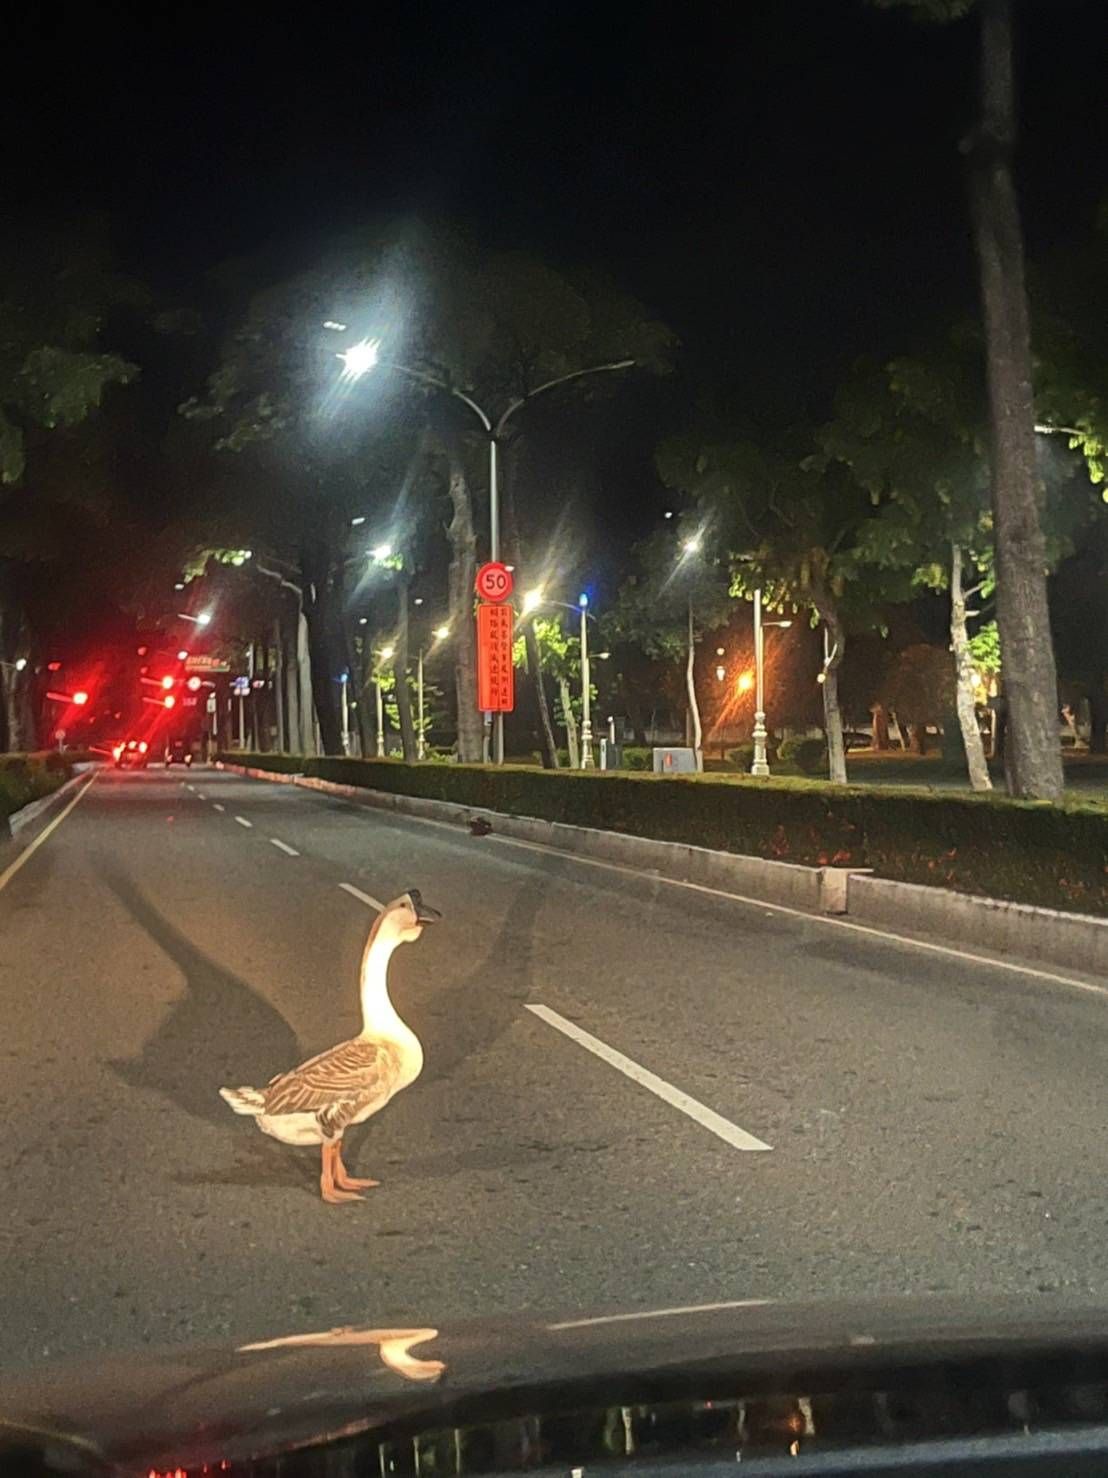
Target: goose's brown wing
[[342, 1079]]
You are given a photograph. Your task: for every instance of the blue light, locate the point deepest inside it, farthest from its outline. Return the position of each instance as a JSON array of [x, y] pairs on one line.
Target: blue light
[[583, 600]]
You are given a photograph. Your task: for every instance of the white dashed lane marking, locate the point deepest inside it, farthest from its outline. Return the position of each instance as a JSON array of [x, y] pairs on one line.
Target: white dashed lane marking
[[242, 821], [284, 847], [707, 1118], [365, 898]]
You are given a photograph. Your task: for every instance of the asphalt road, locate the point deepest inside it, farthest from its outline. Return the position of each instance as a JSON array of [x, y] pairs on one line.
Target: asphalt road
[[935, 1124]]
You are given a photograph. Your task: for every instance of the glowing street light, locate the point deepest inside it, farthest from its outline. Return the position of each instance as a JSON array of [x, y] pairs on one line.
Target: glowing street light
[[202, 620], [360, 358], [760, 765], [182, 655], [692, 544], [381, 552], [80, 697], [387, 653], [365, 355], [440, 633], [532, 600], [745, 682], [19, 664]]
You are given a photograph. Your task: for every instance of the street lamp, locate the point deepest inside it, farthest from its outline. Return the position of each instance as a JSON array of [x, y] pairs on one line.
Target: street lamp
[[385, 654], [586, 715], [531, 603], [364, 356], [760, 765]]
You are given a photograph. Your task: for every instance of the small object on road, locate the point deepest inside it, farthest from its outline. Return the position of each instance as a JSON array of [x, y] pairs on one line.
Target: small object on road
[[318, 1101], [479, 827]]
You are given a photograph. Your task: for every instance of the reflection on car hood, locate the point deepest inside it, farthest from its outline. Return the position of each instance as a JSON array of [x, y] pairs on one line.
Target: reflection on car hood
[[223, 1404]]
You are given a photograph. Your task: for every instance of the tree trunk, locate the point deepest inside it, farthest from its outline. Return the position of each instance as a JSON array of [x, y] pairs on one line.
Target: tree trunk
[[880, 727], [1098, 715], [1023, 617], [400, 670], [832, 712], [463, 572], [280, 704], [325, 642], [965, 678], [690, 690], [571, 725], [547, 738]]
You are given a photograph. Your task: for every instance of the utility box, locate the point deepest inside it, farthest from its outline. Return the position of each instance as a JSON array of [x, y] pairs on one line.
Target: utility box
[[674, 761]]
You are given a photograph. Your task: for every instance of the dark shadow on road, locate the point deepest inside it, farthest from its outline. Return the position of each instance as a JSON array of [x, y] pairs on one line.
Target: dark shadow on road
[[220, 1031], [460, 1017]]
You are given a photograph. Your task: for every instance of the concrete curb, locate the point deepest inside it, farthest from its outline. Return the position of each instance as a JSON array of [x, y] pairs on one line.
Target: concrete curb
[[1071, 941], [12, 827]]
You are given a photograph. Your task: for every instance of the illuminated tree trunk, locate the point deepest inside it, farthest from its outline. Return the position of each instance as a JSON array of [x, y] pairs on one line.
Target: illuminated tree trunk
[[571, 725], [697, 735], [463, 572], [400, 669], [1030, 679], [835, 638], [965, 679], [326, 640]]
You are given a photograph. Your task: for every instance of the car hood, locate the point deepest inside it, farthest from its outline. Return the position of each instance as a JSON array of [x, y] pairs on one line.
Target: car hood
[[181, 1409]]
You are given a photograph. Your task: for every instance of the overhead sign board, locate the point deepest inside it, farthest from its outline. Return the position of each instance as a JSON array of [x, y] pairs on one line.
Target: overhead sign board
[[197, 662], [494, 582], [495, 675]]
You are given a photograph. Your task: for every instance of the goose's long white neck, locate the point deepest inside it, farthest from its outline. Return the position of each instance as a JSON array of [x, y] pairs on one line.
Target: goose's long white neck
[[379, 1015]]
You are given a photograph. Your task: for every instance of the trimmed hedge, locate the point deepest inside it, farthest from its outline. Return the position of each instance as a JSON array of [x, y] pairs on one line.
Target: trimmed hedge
[[1029, 852], [28, 777], [277, 764]]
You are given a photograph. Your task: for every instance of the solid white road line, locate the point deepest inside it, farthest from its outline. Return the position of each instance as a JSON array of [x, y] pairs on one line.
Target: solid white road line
[[284, 847], [828, 920], [217, 807], [13, 867], [707, 1118], [797, 913], [242, 821], [731, 1303], [362, 897]]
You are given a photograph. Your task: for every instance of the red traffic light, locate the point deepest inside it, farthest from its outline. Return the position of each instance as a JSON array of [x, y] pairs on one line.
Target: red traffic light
[[170, 701], [80, 697]]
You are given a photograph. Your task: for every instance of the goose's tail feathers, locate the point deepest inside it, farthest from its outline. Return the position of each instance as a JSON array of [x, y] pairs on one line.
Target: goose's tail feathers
[[244, 1100]]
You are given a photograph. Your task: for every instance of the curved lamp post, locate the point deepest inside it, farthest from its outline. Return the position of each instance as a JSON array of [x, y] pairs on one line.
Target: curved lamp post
[[364, 356]]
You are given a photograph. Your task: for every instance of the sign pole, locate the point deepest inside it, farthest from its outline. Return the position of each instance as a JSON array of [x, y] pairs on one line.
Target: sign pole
[[494, 555]]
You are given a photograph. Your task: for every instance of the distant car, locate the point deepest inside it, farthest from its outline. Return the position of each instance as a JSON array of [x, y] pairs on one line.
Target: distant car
[[131, 754], [177, 752]]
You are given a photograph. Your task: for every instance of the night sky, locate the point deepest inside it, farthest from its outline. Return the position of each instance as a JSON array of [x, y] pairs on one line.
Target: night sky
[[777, 179]]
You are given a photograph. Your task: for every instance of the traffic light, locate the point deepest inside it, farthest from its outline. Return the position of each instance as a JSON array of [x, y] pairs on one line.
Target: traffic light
[[80, 697], [194, 684], [170, 701], [167, 683]]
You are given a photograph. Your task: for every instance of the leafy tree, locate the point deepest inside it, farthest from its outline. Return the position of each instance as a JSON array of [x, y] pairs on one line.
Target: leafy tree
[[789, 524], [1035, 767], [57, 291], [678, 590], [918, 685]]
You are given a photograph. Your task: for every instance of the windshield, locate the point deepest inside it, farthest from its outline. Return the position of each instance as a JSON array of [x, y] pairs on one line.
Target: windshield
[[553, 671]]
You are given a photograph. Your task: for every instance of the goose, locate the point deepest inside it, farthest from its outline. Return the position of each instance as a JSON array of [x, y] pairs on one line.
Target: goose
[[318, 1101]]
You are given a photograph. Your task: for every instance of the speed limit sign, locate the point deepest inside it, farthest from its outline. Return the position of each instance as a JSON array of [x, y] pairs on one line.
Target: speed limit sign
[[494, 582]]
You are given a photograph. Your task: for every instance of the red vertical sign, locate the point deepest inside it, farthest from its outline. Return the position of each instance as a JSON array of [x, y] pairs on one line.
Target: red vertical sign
[[495, 675]]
